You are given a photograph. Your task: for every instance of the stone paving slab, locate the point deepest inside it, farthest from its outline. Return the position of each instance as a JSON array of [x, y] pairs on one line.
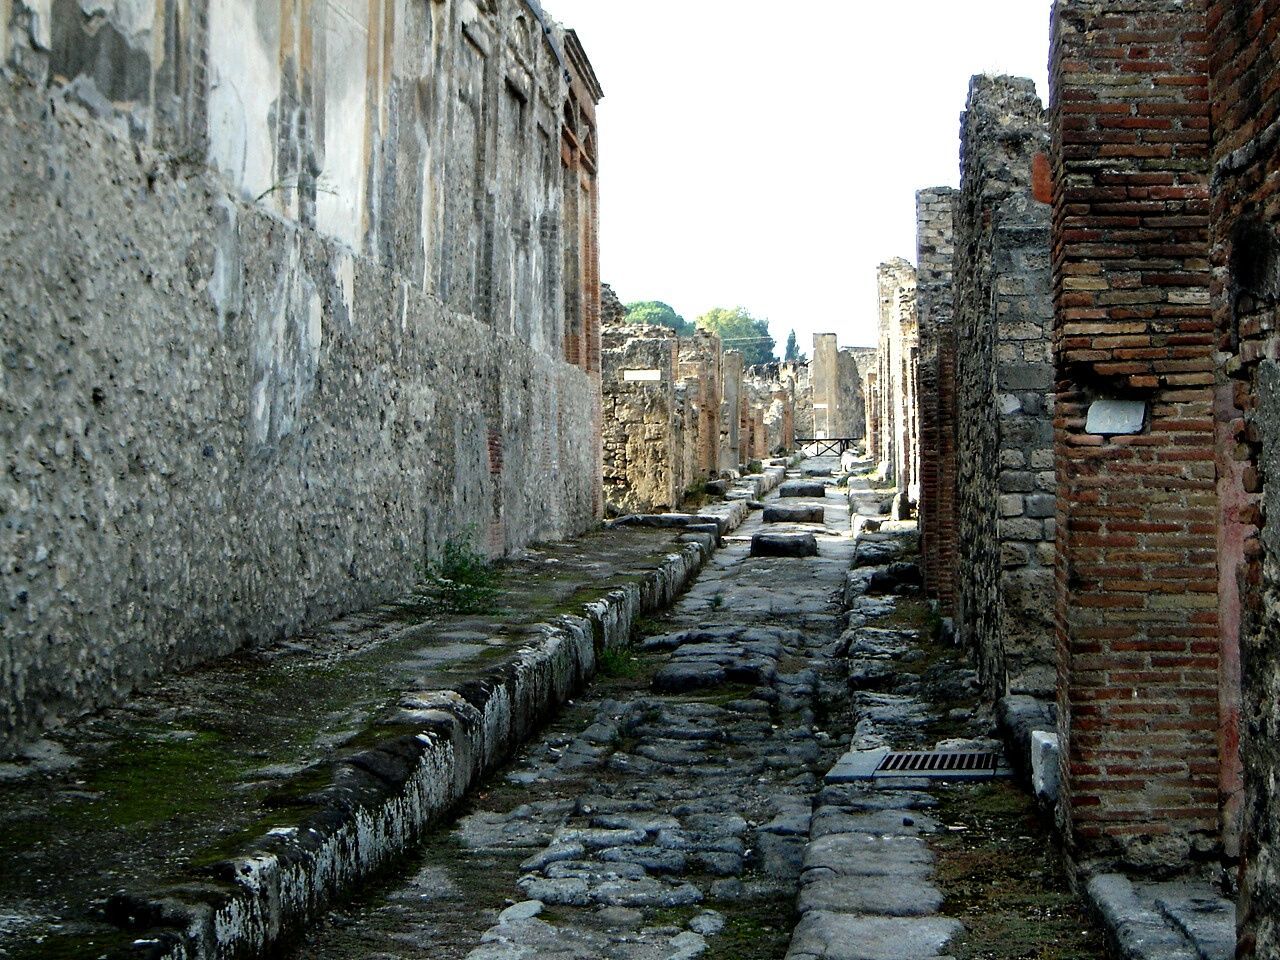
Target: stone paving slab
[[1181, 920], [842, 936]]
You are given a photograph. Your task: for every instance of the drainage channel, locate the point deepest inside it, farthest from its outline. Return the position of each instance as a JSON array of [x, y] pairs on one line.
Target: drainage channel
[[666, 813]]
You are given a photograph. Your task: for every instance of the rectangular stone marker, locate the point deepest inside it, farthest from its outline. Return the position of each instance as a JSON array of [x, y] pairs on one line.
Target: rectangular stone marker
[[1116, 417], [642, 376]]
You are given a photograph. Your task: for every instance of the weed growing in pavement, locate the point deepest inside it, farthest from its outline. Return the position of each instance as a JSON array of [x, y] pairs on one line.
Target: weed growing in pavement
[[462, 581]]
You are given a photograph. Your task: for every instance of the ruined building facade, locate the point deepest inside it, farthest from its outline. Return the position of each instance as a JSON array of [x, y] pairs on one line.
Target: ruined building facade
[[839, 407], [1005, 482], [679, 411], [321, 295]]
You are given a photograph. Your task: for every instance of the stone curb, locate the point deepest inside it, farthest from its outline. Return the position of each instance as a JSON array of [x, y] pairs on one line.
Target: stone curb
[[380, 801], [1179, 920]]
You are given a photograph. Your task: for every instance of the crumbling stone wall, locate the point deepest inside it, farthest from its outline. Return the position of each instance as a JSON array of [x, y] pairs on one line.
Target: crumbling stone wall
[[1004, 379], [700, 360], [850, 402], [771, 393], [898, 421], [612, 310], [799, 377], [935, 253], [1137, 616], [298, 321], [1244, 48], [644, 419], [731, 411]]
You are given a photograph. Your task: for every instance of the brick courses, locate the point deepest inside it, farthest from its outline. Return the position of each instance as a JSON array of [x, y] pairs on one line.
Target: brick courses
[[934, 303], [1137, 581], [1244, 43]]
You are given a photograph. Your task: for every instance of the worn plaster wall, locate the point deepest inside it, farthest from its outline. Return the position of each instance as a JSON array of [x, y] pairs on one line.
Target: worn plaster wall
[[1138, 607], [1244, 45], [298, 319], [1004, 380], [935, 254]]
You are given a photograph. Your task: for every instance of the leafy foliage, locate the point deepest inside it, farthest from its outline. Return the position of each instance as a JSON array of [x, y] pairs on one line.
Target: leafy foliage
[[462, 581], [742, 332], [659, 314]]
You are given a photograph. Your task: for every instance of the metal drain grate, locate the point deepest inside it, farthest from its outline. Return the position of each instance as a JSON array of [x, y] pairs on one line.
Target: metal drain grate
[[942, 765]]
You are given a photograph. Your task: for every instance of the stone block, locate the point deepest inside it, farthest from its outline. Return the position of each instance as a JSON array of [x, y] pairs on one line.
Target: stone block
[[794, 514], [784, 545], [1044, 766], [803, 488]]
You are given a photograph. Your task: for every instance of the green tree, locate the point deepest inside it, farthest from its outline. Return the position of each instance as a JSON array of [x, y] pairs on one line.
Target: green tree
[[793, 348], [742, 332], [659, 314]]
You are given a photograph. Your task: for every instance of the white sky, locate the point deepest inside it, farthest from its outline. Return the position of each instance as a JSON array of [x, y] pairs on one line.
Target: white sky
[[768, 153]]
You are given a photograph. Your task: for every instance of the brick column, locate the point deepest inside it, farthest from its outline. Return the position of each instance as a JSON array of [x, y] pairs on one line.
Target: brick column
[[1244, 47], [934, 293], [1136, 614]]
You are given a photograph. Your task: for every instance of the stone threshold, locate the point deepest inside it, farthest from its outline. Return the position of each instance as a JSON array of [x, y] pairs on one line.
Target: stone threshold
[[480, 688], [1167, 920]]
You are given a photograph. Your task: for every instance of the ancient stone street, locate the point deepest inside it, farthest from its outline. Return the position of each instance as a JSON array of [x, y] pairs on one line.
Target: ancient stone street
[[883, 565]]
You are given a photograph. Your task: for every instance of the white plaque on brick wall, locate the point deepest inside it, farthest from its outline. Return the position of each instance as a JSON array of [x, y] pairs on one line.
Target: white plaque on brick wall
[[1116, 416], [642, 376]]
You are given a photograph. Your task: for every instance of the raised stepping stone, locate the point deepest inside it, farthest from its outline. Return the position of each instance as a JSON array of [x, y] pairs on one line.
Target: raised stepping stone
[[841, 936], [883, 896], [803, 488], [785, 514], [784, 545]]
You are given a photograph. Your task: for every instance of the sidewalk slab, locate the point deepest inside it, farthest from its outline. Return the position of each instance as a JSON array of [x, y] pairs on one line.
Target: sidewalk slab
[[220, 810]]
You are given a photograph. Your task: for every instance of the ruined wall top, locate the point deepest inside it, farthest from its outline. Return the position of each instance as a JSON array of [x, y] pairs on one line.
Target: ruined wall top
[[1003, 128]]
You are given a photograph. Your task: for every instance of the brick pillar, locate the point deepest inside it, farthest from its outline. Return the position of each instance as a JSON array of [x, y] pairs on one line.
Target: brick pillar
[[1244, 48], [934, 293], [1136, 614]]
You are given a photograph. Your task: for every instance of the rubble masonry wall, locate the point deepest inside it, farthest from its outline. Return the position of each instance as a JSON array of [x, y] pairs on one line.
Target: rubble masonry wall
[[1005, 479]]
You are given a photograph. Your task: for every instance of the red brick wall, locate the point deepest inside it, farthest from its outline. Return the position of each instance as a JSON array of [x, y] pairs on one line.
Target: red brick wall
[[1136, 615], [936, 390], [1245, 87]]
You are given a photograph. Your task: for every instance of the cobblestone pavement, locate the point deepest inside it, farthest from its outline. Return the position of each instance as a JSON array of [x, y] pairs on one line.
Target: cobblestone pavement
[[666, 814], [697, 800]]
